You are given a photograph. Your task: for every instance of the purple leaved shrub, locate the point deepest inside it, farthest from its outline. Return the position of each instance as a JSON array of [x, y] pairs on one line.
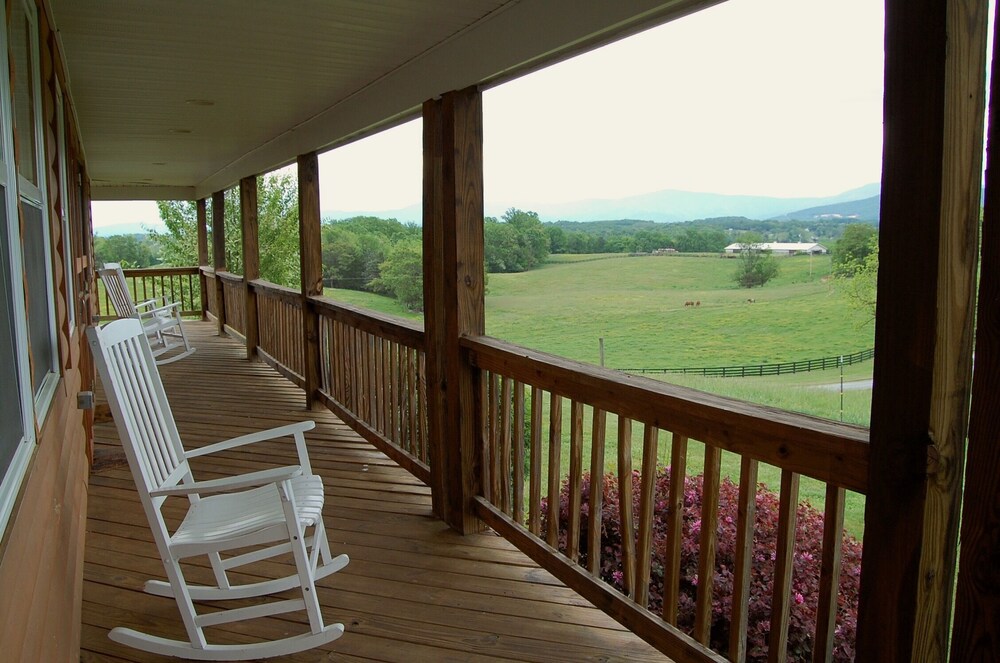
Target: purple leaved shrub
[[804, 595]]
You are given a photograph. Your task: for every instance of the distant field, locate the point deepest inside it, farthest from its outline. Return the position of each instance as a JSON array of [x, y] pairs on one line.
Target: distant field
[[637, 305]]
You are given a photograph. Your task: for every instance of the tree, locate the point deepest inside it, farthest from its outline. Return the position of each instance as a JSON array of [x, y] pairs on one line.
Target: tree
[[757, 266], [860, 281], [278, 230], [516, 243], [402, 274], [852, 248], [132, 251]]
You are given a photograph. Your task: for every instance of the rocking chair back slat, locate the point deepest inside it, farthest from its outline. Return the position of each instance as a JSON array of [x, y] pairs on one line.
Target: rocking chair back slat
[[145, 412], [117, 288]]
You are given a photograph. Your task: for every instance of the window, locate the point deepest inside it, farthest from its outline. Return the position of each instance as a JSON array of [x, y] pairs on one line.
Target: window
[[35, 241], [17, 423]]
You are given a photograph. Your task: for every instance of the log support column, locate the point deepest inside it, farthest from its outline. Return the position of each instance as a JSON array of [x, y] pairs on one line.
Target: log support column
[[219, 255], [934, 85], [251, 260], [453, 299], [203, 254], [311, 257]]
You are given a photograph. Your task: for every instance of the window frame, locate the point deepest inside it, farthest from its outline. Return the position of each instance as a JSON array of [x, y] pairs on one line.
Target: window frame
[[12, 477]]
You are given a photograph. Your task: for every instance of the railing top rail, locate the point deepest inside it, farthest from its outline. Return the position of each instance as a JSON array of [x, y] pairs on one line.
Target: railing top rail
[[400, 330], [283, 293], [160, 271], [830, 451], [229, 276]]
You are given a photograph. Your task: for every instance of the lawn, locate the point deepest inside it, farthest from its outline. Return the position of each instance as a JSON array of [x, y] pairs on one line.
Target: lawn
[[637, 305]]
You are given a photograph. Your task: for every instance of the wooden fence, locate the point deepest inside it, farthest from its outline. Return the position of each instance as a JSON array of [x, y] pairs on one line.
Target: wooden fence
[[279, 326], [234, 300], [760, 370]]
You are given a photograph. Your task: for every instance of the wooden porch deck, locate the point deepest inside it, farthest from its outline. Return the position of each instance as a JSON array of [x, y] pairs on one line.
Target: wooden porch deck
[[414, 590]]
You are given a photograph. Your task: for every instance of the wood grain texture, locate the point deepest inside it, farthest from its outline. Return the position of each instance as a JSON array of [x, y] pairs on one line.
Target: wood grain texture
[[535, 460], [626, 517], [746, 520], [310, 269], [575, 479], [675, 521], [596, 505], [777, 644], [647, 505], [219, 256], [976, 634], [454, 296], [707, 544], [965, 85], [829, 577], [417, 590], [250, 236], [555, 468], [826, 450]]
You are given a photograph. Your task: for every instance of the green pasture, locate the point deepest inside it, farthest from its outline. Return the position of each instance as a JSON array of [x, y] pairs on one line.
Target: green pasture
[[637, 305]]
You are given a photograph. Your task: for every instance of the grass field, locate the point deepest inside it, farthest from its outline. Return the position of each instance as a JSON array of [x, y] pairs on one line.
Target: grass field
[[636, 304]]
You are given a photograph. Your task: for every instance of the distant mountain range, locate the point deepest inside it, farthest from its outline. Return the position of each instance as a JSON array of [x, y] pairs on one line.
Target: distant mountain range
[[670, 206], [666, 206]]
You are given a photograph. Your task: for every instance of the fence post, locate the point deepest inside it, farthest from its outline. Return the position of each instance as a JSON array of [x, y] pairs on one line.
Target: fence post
[[202, 254], [453, 299], [311, 268], [219, 255], [251, 260]]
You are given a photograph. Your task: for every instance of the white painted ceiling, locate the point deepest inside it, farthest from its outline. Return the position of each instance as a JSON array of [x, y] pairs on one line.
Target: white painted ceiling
[[180, 98]]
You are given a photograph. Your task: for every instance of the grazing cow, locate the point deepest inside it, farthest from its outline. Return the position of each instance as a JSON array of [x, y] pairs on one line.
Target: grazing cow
[[697, 303], [751, 301], [689, 303]]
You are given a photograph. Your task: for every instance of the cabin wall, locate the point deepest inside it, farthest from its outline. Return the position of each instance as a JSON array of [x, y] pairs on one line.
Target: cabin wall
[[41, 549]]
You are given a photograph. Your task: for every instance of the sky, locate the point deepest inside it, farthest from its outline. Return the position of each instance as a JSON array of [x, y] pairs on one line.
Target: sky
[[764, 97]]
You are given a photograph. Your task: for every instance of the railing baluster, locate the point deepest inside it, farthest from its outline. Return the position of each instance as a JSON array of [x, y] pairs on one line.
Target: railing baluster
[[707, 545], [675, 516], [596, 491], [647, 504], [535, 487], [575, 478], [829, 577], [504, 475], [745, 520], [778, 642], [625, 504], [555, 470], [490, 460], [518, 451]]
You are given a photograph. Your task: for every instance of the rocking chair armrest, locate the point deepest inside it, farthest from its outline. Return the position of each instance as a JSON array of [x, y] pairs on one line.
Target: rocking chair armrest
[[170, 309], [295, 429], [225, 484], [148, 303]]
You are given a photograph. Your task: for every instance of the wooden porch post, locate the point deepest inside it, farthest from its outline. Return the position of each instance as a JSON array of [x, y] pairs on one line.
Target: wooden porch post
[[311, 264], [453, 298], [203, 254], [251, 259], [976, 636], [934, 80], [219, 255]]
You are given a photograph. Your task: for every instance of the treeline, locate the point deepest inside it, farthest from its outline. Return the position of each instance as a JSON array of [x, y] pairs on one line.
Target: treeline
[[698, 236]]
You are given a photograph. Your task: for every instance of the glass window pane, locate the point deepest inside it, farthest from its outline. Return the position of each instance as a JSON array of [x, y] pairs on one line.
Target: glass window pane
[[24, 96], [11, 424], [37, 297]]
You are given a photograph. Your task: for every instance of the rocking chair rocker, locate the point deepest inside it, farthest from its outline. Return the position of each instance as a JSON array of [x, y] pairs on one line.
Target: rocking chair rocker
[[273, 507], [161, 322]]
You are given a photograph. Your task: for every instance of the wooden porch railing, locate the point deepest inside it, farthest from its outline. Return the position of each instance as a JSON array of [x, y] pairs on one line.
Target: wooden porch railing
[[279, 326], [176, 284], [516, 381], [372, 375], [234, 300]]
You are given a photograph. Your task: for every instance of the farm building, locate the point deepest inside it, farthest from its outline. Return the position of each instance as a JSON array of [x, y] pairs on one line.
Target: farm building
[[428, 485], [783, 248]]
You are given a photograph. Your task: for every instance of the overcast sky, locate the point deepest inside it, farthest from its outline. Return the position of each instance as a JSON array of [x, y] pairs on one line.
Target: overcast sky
[[766, 97]]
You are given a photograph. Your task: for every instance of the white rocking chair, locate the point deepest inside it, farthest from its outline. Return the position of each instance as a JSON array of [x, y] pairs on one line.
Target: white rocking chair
[[161, 321], [272, 507]]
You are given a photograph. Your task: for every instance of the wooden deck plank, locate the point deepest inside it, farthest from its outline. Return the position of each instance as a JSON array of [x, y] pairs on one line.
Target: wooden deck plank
[[415, 589]]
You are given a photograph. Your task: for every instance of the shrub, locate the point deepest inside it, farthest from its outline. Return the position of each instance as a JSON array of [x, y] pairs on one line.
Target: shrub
[[806, 566]]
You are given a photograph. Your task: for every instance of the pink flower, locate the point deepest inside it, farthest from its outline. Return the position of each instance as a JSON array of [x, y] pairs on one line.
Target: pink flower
[[799, 599]]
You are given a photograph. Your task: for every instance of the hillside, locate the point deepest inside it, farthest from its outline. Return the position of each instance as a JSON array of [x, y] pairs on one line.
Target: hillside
[[866, 209]]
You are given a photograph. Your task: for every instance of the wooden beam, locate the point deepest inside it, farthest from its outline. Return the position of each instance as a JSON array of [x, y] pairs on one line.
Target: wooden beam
[[927, 181], [219, 255], [964, 105], [454, 298], [203, 254], [311, 264], [250, 225], [976, 634]]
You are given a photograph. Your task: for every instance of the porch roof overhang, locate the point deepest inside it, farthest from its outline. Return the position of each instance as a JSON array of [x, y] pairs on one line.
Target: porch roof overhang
[[178, 100]]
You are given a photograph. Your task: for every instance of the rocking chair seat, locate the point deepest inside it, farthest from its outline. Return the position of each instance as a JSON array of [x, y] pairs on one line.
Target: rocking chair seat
[[232, 515]]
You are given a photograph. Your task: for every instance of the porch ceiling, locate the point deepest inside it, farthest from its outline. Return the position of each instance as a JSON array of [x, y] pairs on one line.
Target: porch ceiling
[[179, 99]]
